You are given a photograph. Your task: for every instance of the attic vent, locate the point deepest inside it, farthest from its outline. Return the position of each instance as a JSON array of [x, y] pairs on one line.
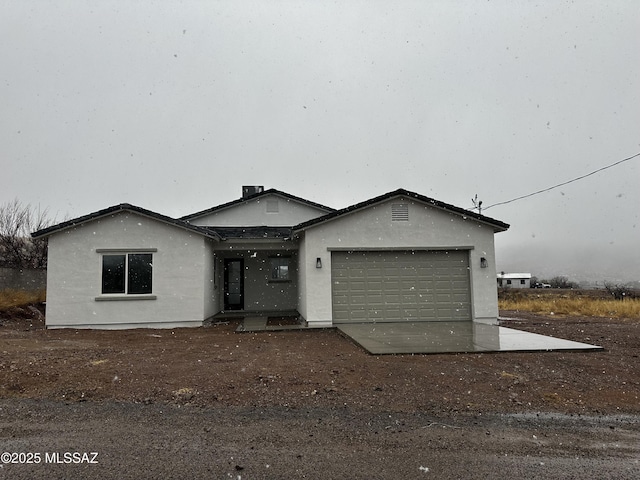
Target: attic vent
[[272, 206], [399, 212]]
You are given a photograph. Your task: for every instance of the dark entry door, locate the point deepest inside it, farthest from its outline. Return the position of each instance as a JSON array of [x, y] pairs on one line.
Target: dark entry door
[[234, 284]]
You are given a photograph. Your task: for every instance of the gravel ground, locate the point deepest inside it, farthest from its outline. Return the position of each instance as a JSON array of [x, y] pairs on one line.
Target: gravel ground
[[211, 403], [170, 441]]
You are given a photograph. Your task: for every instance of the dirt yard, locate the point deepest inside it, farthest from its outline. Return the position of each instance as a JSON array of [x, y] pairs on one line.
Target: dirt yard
[[214, 366], [318, 394]]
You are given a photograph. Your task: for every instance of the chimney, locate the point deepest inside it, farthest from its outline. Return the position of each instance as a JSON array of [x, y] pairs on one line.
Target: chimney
[[249, 190]]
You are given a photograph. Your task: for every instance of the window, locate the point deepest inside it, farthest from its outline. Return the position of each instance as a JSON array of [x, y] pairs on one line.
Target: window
[[279, 269], [522, 282], [508, 282], [127, 273]]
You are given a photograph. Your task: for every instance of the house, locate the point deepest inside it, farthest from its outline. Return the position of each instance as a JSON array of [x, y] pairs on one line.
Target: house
[[397, 257], [514, 280]]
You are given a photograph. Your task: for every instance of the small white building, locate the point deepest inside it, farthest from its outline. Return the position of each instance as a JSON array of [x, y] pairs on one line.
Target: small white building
[[397, 257], [514, 280]]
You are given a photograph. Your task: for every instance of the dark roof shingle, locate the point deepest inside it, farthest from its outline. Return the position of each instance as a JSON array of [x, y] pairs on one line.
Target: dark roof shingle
[[496, 224], [119, 208], [271, 191]]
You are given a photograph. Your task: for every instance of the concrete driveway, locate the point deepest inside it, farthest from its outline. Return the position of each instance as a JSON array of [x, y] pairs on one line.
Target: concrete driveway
[[451, 337]]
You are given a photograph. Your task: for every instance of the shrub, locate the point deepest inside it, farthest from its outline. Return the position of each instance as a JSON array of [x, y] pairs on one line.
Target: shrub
[[561, 282]]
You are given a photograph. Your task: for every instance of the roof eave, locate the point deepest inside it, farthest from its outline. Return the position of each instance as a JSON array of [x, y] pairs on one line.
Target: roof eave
[[69, 224], [239, 201], [497, 225]]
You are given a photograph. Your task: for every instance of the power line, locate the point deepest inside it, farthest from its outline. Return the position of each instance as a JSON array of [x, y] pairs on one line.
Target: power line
[[563, 183]]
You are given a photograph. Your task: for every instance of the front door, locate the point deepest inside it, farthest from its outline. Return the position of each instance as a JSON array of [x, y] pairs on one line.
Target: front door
[[234, 284]]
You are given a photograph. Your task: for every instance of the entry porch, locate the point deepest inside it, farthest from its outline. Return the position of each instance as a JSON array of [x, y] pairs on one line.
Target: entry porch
[[257, 281]]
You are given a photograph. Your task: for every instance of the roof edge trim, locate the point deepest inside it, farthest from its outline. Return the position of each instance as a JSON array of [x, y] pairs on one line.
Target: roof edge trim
[[497, 225], [122, 208], [239, 201]]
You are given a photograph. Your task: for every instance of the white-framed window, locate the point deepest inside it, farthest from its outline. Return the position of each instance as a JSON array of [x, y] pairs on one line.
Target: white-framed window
[[279, 269], [125, 273]]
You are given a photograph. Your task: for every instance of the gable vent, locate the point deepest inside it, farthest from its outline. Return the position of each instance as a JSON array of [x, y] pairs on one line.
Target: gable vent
[[399, 212], [272, 206]]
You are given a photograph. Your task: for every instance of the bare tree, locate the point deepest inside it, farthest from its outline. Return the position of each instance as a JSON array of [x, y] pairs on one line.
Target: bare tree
[[17, 248], [619, 292], [562, 282]]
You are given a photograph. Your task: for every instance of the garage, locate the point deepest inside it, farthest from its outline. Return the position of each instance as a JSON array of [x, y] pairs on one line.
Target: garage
[[400, 286]]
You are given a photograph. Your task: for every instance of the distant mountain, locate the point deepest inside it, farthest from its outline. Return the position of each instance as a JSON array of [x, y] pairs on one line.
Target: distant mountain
[[581, 264]]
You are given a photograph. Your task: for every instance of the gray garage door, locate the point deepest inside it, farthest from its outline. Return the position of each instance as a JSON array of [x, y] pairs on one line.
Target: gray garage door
[[400, 286]]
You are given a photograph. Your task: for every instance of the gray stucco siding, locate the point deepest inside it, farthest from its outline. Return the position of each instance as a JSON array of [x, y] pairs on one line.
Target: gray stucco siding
[[180, 262], [372, 228], [258, 212], [211, 284]]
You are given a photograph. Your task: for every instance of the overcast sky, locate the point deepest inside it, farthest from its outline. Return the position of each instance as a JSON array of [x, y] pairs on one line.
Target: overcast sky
[[173, 106]]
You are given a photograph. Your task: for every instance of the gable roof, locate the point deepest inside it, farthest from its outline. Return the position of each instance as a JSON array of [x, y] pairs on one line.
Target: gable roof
[[120, 208], [223, 233], [497, 225], [271, 191]]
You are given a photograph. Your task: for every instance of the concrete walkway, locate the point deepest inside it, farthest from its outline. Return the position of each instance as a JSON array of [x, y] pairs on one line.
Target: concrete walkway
[[260, 324]]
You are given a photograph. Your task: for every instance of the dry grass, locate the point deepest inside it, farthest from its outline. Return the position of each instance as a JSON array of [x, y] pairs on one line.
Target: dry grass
[[575, 305], [547, 303], [20, 298]]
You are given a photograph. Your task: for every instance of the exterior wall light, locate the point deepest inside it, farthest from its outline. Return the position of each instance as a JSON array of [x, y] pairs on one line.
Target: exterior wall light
[[483, 262], [318, 262]]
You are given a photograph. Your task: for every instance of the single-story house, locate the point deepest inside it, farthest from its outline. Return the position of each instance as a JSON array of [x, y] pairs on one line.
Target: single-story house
[[514, 280], [397, 257]]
